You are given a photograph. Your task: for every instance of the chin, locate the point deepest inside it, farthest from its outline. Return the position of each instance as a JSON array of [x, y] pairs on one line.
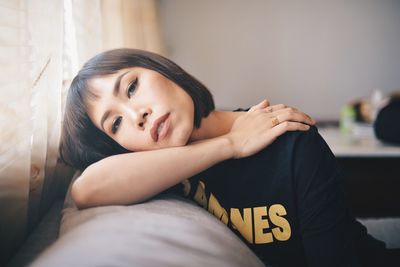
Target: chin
[[180, 142], [182, 138]]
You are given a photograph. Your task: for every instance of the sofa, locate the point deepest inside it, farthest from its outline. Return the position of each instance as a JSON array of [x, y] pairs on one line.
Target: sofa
[[165, 231]]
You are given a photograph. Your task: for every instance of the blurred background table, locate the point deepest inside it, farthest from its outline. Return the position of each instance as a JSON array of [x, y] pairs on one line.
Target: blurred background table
[[361, 144], [371, 169]]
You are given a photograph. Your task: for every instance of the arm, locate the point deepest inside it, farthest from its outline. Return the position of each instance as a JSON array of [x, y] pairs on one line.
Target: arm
[[134, 177]]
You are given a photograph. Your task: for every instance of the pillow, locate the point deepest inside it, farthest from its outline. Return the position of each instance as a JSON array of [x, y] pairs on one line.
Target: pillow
[[165, 231]]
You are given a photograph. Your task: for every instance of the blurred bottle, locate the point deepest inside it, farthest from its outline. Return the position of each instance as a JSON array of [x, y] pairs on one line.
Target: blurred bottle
[[376, 103], [347, 118]]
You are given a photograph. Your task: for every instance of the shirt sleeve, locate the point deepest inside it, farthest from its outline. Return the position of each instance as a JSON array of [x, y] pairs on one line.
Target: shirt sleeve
[[325, 221]]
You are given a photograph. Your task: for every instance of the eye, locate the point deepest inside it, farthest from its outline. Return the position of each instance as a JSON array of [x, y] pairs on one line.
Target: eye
[[132, 87], [116, 125]]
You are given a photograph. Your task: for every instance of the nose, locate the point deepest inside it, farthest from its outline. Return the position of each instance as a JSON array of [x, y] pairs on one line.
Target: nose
[[143, 119], [139, 117]]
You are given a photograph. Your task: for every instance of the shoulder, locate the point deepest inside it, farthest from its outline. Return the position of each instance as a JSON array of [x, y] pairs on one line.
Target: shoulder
[[289, 147], [296, 135], [299, 147], [300, 139]]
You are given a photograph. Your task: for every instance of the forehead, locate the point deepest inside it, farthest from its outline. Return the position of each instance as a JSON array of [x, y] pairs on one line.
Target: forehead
[[106, 82], [102, 86]]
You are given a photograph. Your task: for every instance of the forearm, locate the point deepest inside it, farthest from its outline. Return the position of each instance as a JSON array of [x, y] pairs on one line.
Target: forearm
[[134, 177]]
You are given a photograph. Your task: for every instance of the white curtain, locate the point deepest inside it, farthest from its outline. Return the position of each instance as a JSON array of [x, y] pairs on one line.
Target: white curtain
[[31, 77], [93, 26], [43, 43]]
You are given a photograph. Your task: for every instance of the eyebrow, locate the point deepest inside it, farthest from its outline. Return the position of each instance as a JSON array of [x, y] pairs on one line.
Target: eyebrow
[[115, 93]]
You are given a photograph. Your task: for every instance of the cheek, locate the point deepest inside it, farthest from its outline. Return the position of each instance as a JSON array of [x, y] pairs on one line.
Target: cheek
[[188, 108], [185, 131], [132, 140]]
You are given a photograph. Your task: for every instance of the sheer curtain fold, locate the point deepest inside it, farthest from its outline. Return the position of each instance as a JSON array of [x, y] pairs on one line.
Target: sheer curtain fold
[[30, 79], [15, 124], [43, 43], [141, 25], [98, 25]]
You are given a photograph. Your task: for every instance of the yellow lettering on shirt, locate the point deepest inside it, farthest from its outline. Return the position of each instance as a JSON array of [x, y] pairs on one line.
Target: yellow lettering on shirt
[[260, 224], [269, 224], [243, 224], [283, 232], [200, 195], [215, 208], [186, 187]]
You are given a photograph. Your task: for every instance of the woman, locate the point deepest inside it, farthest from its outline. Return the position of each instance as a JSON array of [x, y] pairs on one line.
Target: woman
[[282, 196]]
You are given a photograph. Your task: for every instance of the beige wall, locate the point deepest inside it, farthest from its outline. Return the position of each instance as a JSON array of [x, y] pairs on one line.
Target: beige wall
[[314, 55]]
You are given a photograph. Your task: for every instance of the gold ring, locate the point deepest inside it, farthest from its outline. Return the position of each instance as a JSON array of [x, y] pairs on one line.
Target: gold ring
[[274, 121]]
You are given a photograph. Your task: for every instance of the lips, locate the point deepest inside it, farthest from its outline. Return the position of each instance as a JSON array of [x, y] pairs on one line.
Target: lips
[[156, 124]]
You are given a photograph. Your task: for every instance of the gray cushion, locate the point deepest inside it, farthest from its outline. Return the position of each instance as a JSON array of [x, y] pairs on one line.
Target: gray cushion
[[385, 229], [41, 237], [165, 231]]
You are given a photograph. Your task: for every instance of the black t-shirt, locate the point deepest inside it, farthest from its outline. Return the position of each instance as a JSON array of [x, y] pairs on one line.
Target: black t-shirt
[[287, 203]]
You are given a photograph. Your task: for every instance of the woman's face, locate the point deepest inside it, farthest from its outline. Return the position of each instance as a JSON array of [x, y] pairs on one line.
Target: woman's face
[[141, 109]]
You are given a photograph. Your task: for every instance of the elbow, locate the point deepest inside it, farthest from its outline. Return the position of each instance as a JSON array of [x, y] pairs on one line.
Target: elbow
[[79, 194]]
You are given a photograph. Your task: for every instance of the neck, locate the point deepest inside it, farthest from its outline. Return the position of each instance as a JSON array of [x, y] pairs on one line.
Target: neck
[[216, 124]]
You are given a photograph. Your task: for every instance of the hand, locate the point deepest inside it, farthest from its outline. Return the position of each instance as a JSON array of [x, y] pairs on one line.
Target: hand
[[262, 124]]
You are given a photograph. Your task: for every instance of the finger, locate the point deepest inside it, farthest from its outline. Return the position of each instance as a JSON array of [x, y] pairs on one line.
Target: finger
[[261, 105], [267, 103], [294, 115], [274, 121], [277, 107], [288, 126]]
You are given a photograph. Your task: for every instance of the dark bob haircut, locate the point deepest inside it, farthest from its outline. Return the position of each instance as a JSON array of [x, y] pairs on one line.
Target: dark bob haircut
[[82, 143]]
